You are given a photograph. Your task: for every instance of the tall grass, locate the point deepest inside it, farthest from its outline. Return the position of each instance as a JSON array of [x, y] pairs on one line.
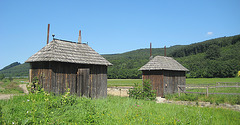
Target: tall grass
[[44, 108]]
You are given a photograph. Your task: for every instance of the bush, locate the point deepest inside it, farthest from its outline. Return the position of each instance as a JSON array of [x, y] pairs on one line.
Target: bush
[[143, 92]]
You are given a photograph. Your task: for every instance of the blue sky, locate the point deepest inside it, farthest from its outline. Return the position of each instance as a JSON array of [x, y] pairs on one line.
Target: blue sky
[[112, 26]]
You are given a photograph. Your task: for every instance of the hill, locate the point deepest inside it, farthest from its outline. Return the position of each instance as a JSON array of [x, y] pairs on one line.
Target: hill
[[126, 65], [10, 66], [218, 57], [17, 70], [212, 58]]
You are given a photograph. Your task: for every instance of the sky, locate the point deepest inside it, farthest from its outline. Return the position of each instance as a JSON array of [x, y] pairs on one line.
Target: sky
[[112, 26]]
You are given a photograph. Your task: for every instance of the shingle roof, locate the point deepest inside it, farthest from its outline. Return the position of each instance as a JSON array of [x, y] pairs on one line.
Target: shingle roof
[[69, 52], [163, 63]]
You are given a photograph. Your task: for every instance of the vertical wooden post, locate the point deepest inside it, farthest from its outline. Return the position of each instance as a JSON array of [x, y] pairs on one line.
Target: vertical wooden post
[[165, 53], [207, 91], [48, 33], [150, 49]]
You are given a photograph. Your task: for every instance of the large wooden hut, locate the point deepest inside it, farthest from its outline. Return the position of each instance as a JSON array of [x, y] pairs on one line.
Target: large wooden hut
[[64, 64], [165, 74]]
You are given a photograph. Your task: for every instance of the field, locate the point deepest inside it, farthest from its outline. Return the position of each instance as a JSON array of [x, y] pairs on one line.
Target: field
[[130, 82], [123, 82], [43, 108], [214, 99], [11, 87]]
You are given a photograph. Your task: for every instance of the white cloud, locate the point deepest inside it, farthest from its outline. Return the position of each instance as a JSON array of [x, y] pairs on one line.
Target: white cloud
[[209, 33]]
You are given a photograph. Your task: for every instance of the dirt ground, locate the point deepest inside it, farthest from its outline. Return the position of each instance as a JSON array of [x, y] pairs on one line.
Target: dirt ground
[[118, 91]]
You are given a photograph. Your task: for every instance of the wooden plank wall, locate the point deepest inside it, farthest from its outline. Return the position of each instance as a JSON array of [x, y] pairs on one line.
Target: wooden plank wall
[[165, 82], [172, 79], [58, 77], [83, 84], [98, 81], [156, 79]]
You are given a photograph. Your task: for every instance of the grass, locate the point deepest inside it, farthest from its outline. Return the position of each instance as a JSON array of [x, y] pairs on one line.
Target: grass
[[11, 87], [122, 82], [43, 108], [130, 82], [210, 80], [231, 99]]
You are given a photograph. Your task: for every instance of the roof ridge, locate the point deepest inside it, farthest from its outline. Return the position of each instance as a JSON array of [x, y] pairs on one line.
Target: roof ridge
[[68, 41]]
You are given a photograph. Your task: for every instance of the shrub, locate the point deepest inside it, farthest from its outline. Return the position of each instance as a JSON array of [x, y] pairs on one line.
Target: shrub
[[142, 92]]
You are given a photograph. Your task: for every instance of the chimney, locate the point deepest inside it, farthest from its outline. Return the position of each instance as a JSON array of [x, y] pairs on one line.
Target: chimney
[[151, 57], [165, 51], [79, 37], [150, 49], [48, 33]]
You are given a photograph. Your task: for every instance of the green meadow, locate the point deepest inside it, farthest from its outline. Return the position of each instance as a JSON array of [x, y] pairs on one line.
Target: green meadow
[[130, 82], [44, 108]]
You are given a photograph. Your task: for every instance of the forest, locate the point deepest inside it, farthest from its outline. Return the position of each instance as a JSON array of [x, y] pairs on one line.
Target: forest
[[215, 58]]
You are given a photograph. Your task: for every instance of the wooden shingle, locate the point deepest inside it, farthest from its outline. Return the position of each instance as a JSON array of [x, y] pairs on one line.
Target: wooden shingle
[[68, 52], [163, 63]]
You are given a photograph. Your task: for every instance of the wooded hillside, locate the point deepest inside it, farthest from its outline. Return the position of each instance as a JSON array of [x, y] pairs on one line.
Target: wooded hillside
[[212, 58], [218, 57]]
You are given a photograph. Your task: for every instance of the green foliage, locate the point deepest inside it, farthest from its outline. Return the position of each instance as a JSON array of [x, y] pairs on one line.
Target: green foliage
[[143, 92], [44, 108], [2, 76], [17, 70], [126, 65], [213, 52], [213, 58], [208, 59]]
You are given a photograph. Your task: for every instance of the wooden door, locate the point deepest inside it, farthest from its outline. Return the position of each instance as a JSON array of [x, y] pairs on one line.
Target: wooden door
[[83, 84]]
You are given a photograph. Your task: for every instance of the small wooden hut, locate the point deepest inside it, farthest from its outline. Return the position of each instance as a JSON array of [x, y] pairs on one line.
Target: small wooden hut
[[165, 74], [64, 64]]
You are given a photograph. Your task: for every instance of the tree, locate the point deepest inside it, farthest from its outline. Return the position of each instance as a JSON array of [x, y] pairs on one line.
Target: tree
[[2, 77], [213, 52]]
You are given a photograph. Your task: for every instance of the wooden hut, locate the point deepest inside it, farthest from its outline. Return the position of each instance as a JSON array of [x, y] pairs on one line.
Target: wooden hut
[[165, 74], [64, 64]]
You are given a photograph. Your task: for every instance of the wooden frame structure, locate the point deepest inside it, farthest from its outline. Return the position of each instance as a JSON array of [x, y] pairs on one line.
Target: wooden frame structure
[[63, 64], [165, 74]]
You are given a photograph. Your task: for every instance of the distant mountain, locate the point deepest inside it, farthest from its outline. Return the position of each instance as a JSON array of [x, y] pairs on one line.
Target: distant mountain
[[16, 71], [218, 57], [10, 66]]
